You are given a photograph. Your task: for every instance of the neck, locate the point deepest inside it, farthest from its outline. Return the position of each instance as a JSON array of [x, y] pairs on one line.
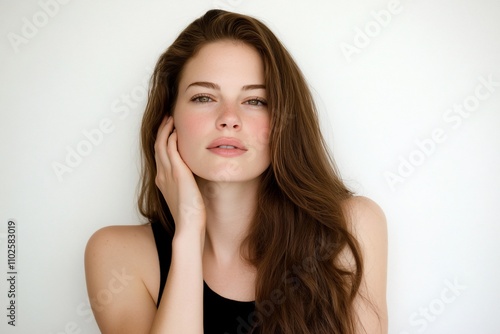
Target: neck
[[230, 207]]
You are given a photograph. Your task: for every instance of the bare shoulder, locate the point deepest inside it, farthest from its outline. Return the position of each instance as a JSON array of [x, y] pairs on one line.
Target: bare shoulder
[[367, 219], [369, 226], [122, 274], [124, 246], [125, 237], [120, 244]]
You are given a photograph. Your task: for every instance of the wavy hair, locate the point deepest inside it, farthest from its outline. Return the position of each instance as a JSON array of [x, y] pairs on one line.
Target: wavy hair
[[299, 229]]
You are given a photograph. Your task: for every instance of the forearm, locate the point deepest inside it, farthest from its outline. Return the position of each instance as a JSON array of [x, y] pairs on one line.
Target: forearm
[[181, 307]]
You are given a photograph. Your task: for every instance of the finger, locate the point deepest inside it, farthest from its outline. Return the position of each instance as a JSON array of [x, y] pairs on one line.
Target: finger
[[164, 130], [166, 122], [179, 168], [161, 142], [172, 150]]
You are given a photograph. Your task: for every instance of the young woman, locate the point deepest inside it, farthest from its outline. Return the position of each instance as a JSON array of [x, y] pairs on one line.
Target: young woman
[[250, 229]]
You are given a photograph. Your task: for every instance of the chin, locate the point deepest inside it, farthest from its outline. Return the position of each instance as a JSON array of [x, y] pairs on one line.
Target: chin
[[231, 174]]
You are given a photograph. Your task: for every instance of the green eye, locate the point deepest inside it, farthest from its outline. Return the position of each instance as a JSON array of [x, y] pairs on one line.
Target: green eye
[[257, 102], [202, 99]]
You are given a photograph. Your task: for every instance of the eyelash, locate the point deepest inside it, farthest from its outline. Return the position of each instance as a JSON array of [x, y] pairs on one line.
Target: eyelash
[[259, 100], [197, 98]]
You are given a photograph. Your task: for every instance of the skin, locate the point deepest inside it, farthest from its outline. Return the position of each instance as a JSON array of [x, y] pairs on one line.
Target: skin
[[211, 198]]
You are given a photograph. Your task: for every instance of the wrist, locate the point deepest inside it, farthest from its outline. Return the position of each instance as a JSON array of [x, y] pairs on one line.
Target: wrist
[[189, 235]]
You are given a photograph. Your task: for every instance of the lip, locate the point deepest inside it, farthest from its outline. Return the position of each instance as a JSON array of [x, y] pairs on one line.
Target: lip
[[238, 149]]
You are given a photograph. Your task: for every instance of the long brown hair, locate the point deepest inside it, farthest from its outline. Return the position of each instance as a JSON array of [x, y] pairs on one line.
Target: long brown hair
[[299, 229]]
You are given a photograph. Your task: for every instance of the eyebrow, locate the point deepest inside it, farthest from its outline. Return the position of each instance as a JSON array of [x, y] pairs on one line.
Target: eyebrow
[[215, 86]]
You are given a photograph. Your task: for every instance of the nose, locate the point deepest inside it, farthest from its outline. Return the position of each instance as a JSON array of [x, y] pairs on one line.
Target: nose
[[229, 118]]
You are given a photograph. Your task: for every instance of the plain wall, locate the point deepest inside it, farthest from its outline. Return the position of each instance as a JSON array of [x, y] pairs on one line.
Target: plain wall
[[409, 101]]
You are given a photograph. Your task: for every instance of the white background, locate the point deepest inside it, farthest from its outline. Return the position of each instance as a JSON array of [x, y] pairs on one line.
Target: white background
[[78, 67]]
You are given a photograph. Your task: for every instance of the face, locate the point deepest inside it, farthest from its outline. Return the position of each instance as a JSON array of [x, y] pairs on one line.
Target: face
[[221, 114]]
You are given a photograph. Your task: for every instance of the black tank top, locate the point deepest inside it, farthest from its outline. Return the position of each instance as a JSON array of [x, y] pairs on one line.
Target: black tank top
[[220, 315]]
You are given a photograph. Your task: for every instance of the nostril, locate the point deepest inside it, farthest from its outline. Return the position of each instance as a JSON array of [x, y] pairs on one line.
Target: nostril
[[229, 124]]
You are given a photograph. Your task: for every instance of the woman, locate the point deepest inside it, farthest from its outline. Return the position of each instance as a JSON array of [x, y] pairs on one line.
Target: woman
[[250, 227]]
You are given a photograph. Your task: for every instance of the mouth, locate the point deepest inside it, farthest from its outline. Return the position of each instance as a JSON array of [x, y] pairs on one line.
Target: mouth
[[227, 144], [227, 147]]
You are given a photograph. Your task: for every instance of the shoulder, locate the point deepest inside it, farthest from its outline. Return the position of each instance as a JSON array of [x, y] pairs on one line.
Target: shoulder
[[366, 218], [120, 243], [125, 236], [123, 246], [121, 265], [368, 225]]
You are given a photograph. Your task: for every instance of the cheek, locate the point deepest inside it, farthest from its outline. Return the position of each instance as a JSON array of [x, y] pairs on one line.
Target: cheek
[[261, 155], [188, 122], [182, 145], [188, 134], [263, 137], [261, 133]]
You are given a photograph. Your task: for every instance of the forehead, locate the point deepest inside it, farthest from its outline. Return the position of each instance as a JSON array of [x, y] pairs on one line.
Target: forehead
[[224, 62]]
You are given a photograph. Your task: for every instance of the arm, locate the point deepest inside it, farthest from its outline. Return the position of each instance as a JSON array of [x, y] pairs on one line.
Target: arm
[[181, 307], [117, 292], [369, 227], [132, 309], [118, 260]]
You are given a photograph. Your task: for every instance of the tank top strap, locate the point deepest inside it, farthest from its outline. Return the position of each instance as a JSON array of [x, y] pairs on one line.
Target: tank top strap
[[164, 246]]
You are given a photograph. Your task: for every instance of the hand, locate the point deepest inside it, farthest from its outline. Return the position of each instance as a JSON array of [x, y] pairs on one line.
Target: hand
[[176, 181]]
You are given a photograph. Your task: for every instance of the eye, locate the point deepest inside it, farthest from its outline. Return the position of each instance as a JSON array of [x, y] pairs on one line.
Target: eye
[[202, 99], [257, 102]]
